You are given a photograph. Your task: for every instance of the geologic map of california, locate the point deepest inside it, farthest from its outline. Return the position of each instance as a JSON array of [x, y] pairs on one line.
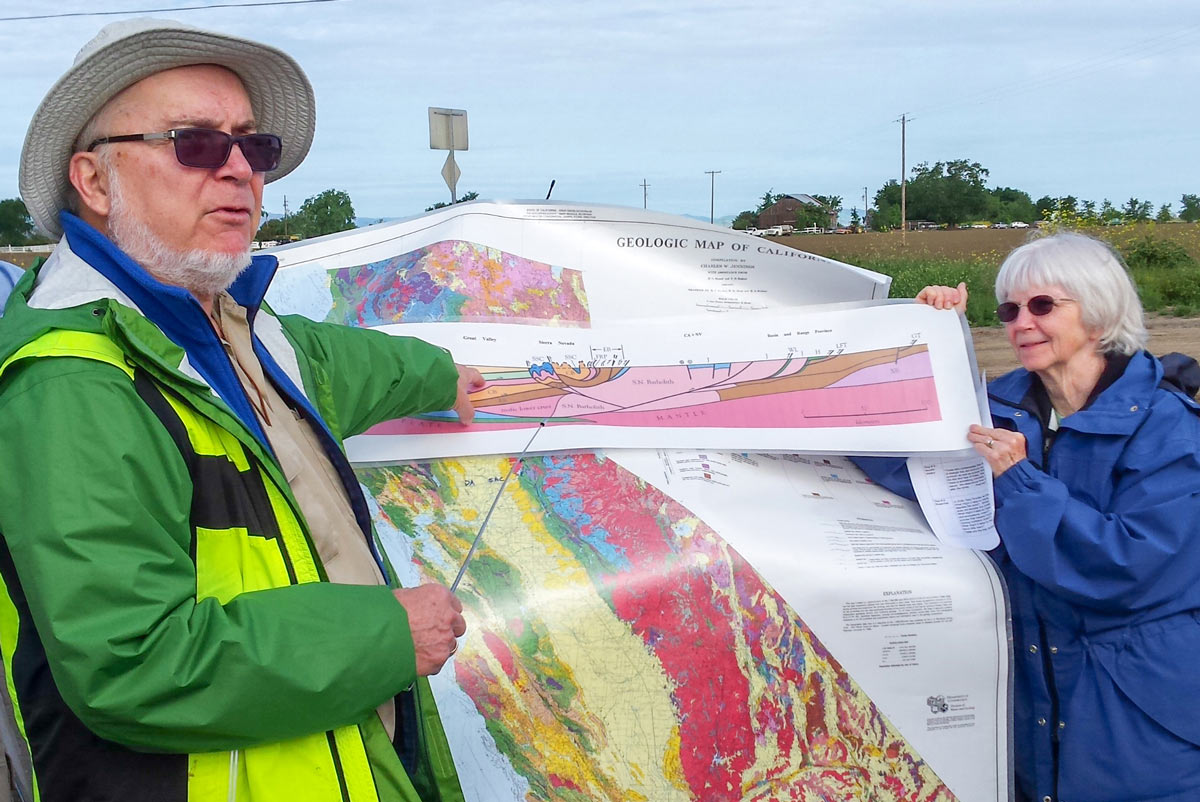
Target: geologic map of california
[[620, 649], [620, 645]]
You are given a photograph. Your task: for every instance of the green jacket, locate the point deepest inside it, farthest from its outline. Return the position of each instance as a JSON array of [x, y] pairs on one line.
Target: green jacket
[[99, 567]]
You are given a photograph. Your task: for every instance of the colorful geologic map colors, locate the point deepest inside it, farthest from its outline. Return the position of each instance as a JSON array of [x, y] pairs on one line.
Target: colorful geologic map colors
[[881, 387], [454, 280], [620, 649]]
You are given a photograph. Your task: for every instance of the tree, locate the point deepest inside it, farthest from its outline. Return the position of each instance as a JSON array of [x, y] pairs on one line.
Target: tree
[[1135, 209], [326, 213], [810, 215], [1045, 205], [1108, 213], [1164, 214], [1189, 208], [1006, 204], [470, 196], [16, 226], [855, 221], [947, 192], [832, 202], [887, 207], [271, 231], [768, 200], [745, 220], [1089, 211]]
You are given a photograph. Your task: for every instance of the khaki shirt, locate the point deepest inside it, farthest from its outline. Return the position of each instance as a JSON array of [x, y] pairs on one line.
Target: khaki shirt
[[315, 484]]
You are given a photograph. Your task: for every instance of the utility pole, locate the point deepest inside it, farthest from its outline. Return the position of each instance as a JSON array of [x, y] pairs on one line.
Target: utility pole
[[645, 186], [712, 192], [866, 209], [904, 118], [285, 215]]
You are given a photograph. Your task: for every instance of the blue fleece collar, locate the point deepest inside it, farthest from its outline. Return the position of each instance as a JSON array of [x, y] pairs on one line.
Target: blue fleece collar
[[177, 313]]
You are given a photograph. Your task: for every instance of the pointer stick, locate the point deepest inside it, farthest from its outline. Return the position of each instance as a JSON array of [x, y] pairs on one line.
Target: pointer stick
[[479, 535]]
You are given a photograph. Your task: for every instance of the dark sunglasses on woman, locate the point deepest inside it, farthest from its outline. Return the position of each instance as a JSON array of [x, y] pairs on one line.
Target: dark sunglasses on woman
[[1037, 305]]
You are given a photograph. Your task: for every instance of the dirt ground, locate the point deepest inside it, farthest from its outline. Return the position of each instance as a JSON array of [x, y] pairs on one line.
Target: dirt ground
[[987, 244], [956, 244], [21, 259], [1166, 334]]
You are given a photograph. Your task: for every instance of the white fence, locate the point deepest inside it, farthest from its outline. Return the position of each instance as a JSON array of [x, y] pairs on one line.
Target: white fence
[[26, 248]]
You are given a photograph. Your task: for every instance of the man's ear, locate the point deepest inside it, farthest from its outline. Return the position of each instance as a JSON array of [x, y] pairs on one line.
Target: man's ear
[[91, 184]]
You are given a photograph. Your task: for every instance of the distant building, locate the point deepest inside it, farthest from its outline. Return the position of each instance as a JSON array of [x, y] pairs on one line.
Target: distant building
[[783, 211]]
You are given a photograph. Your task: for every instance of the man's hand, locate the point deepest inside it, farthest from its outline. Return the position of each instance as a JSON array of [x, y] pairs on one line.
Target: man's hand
[[469, 381], [945, 297], [435, 619]]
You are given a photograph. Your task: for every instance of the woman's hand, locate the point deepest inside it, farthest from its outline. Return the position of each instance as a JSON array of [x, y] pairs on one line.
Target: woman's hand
[[1000, 447], [945, 297]]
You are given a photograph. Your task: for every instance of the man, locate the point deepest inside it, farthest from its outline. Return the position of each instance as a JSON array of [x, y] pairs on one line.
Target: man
[[10, 274], [193, 604]]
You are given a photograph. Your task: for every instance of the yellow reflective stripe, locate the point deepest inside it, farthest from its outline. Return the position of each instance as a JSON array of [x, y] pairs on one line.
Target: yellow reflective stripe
[[303, 565], [356, 768], [207, 438], [62, 342], [232, 561], [288, 771], [9, 627], [228, 562], [208, 778]]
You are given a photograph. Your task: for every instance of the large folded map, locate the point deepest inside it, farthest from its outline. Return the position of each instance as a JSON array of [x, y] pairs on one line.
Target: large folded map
[[723, 609]]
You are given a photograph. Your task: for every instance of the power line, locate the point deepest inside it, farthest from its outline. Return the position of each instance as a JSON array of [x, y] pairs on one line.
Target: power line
[[156, 10]]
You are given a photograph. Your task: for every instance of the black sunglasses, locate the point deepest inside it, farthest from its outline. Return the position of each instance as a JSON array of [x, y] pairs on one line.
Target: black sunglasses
[[208, 149], [1037, 305]]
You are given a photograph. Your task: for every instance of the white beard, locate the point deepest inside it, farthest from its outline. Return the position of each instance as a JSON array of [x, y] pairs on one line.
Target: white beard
[[205, 274]]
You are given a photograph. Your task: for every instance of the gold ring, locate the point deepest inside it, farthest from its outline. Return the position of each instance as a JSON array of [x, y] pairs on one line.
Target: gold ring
[[989, 442]]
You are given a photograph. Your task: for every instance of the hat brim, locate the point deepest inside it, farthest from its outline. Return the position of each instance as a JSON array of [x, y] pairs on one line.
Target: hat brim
[[280, 96]]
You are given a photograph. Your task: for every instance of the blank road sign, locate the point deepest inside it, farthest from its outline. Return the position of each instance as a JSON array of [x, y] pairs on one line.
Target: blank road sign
[[447, 129]]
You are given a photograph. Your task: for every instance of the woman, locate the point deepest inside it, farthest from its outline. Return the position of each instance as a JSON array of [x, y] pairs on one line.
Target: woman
[[1097, 486]]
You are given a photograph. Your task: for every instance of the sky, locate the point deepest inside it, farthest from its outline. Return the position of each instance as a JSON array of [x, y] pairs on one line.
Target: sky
[[1091, 98]]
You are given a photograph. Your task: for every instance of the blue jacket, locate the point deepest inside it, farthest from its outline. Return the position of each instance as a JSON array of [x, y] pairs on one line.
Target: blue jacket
[[1100, 531], [9, 275]]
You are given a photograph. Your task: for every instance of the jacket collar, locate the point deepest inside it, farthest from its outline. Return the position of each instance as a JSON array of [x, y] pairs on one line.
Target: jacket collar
[[1116, 409], [115, 265], [176, 312]]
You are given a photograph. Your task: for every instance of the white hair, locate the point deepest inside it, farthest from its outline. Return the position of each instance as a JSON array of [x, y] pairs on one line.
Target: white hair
[[1092, 273], [204, 273]]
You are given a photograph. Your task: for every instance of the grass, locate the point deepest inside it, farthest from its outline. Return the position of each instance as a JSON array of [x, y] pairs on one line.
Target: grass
[[910, 275], [1163, 259]]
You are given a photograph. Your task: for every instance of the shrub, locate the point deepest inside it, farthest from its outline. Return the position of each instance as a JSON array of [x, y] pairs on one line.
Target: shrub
[[1174, 290], [1166, 275], [910, 276], [1148, 252]]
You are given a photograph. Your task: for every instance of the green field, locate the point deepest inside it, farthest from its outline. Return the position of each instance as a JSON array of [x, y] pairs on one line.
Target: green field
[[1163, 258]]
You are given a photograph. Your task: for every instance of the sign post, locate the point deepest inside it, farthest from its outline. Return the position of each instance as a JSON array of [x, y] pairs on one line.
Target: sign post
[[448, 131]]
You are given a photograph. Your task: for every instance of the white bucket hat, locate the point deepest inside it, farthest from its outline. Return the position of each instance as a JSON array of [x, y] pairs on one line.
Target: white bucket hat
[[124, 53]]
